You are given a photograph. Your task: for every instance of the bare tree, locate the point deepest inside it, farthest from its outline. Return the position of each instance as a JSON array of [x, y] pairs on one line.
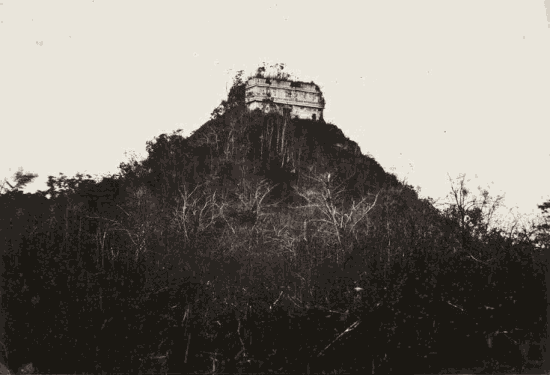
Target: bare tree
[[475, 214], [326, 199], [196, 212]]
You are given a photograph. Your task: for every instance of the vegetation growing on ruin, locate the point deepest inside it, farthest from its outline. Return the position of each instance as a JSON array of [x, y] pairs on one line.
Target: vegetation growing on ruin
[[264, 244]]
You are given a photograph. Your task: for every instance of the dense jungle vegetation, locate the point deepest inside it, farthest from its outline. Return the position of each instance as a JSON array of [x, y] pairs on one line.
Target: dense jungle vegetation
[[265, 244]]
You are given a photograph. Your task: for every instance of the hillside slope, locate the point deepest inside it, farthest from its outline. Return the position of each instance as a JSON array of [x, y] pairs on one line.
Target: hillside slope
[[263, 244]]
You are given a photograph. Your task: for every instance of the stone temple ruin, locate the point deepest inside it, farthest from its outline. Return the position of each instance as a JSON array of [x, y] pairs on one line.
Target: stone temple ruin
[[296, 99]]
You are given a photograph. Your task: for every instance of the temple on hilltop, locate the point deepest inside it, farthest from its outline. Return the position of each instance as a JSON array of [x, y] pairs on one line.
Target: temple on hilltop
[[296, 99]]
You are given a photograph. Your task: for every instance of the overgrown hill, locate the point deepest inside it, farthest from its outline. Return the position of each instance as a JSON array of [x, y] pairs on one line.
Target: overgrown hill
[[262, 243], [237, 144]]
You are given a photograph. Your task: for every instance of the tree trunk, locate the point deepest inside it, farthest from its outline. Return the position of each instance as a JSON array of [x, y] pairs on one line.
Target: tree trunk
[[187, 349]]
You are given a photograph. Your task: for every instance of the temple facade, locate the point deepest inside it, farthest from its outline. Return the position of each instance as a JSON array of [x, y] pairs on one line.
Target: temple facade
[[297, 99]]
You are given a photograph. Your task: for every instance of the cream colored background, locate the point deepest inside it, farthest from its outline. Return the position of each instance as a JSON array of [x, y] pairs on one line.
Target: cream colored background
[[428, 88]]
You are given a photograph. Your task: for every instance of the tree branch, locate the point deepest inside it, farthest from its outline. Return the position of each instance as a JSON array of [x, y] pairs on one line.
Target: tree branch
[[349, 329]]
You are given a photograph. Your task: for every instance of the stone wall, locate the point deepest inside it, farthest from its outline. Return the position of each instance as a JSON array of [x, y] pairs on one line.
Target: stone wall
[[304, 99], [301, 112]]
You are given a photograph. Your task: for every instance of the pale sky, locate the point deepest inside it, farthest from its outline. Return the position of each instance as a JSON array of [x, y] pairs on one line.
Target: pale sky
[[429, 88]]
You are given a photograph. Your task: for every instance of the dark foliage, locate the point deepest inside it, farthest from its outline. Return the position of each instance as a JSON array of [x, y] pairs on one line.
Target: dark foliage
[[252, 246]]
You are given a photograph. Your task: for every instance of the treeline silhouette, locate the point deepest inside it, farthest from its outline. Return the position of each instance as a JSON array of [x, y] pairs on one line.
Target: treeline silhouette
[[262, 243]]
